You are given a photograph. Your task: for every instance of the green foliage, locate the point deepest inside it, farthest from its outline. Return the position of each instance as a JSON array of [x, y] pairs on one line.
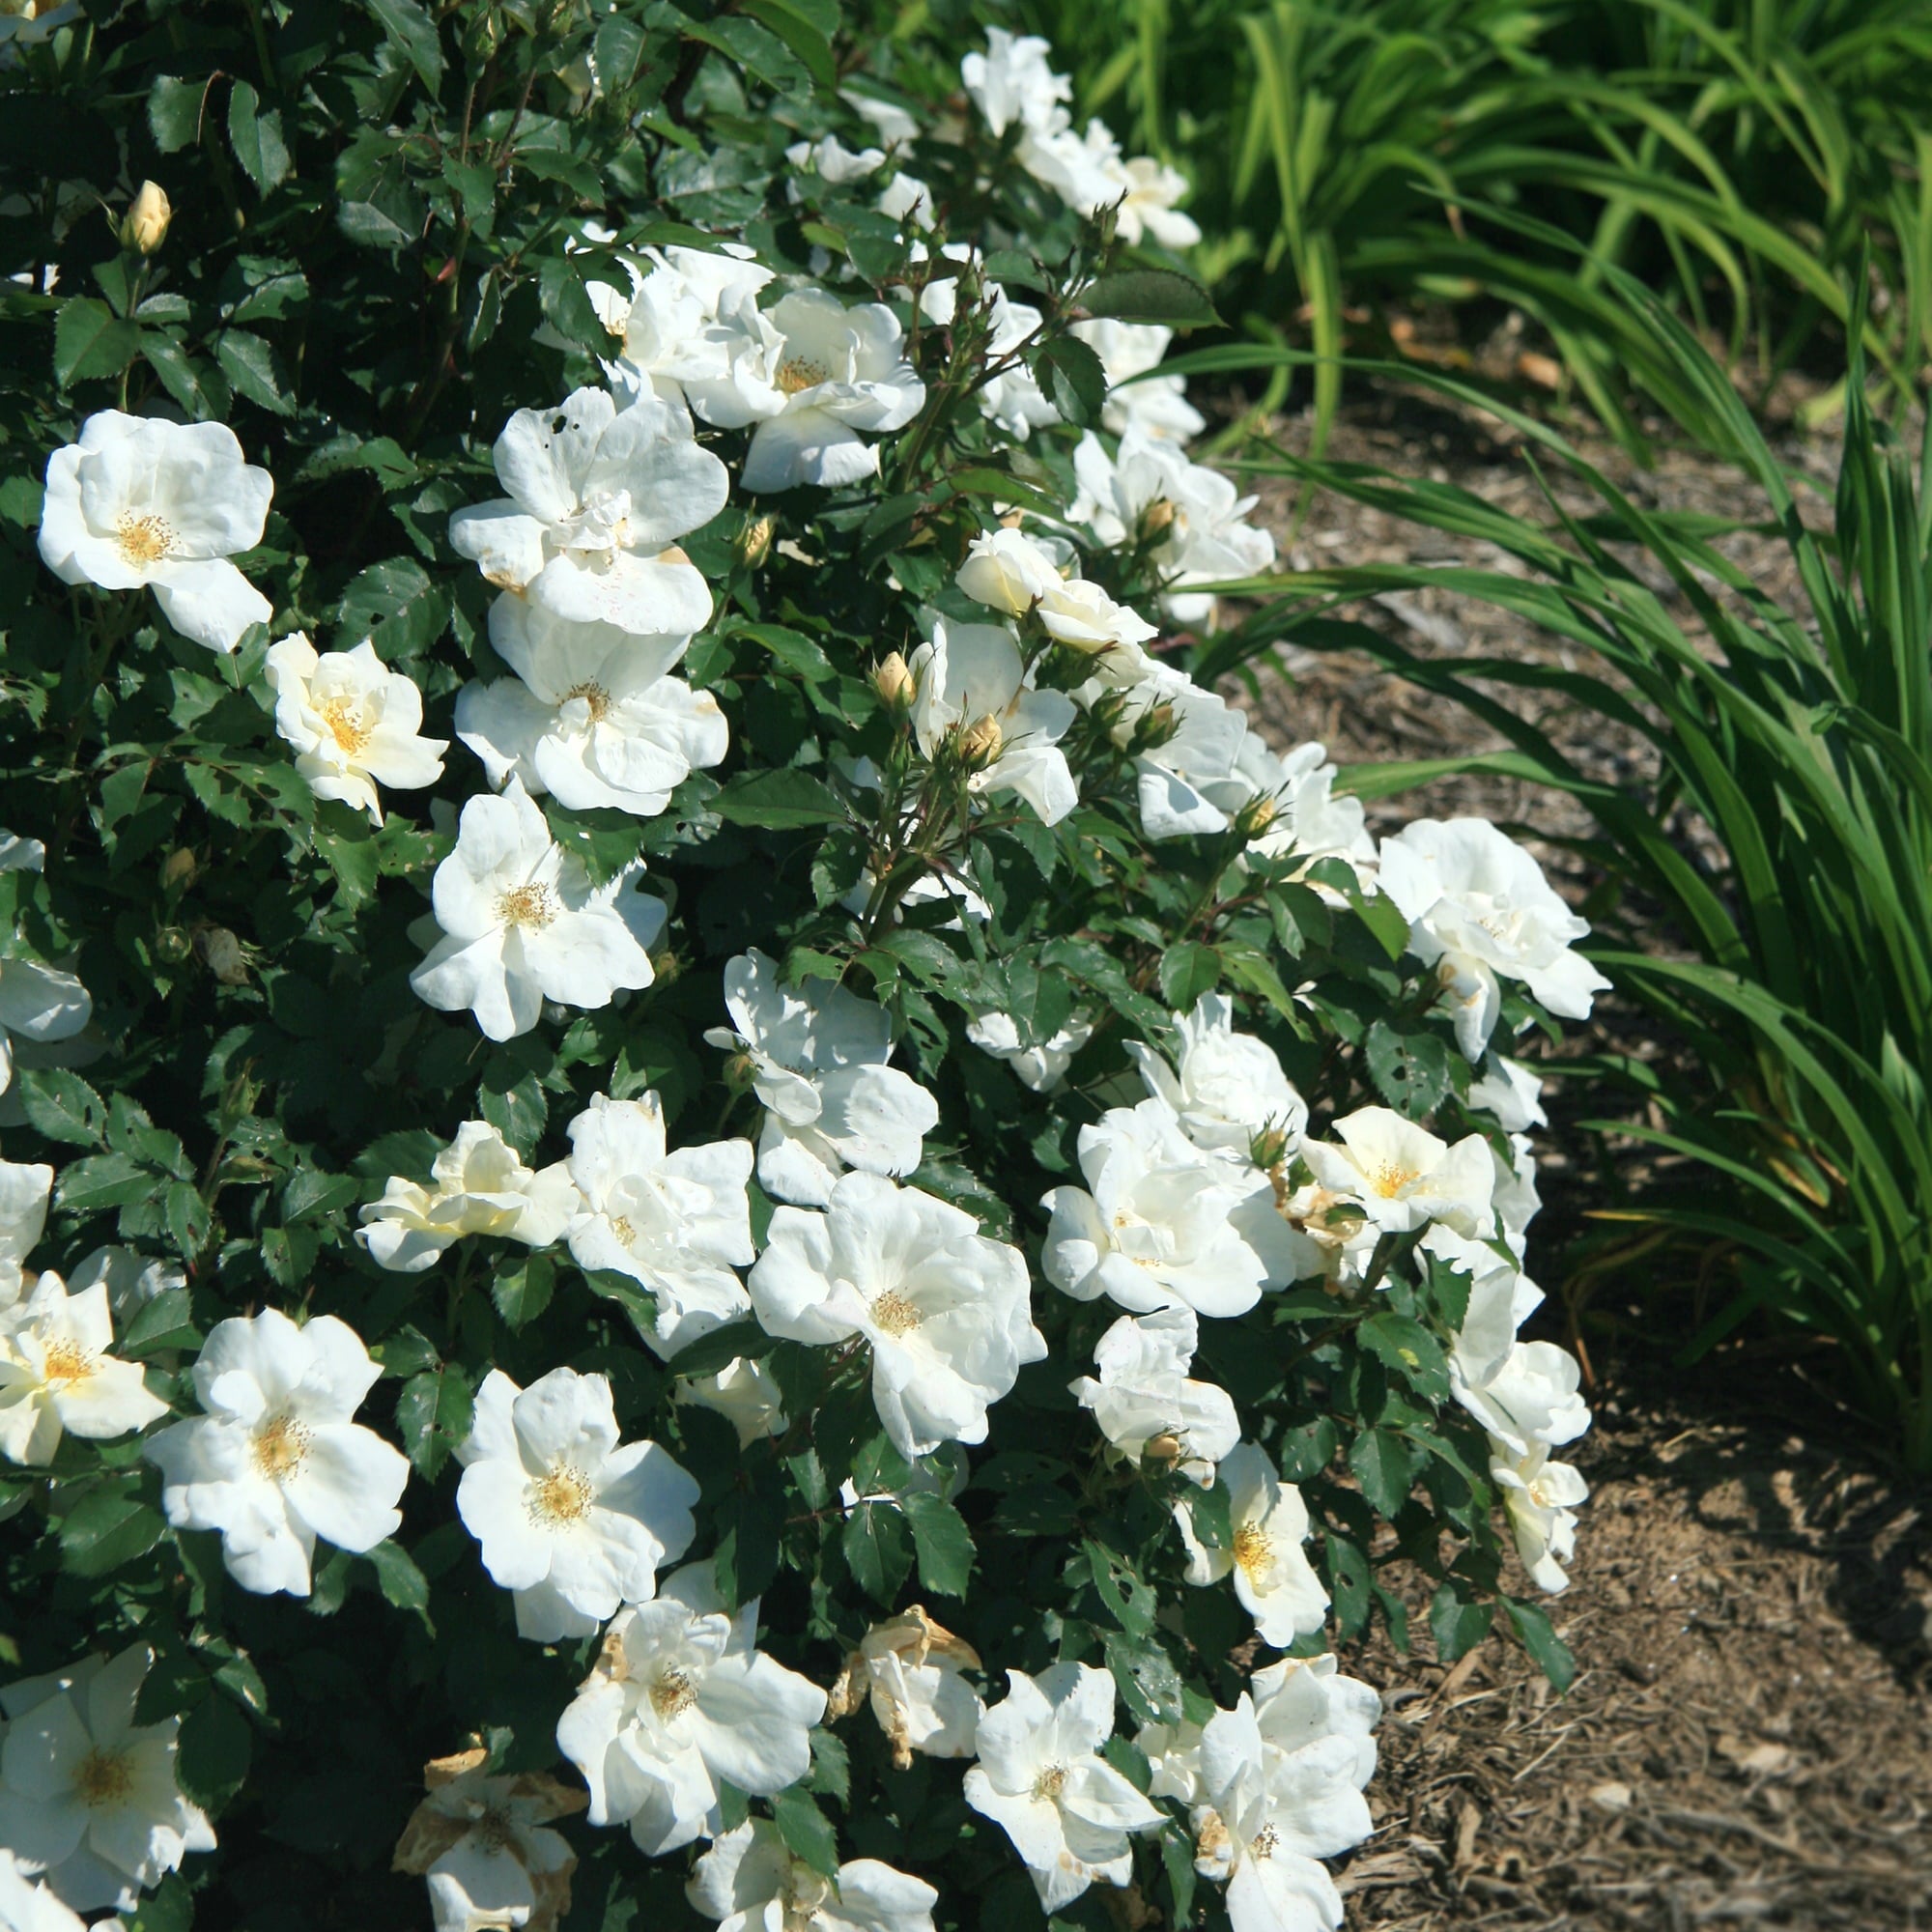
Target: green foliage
[[1802, 740], [1736, 154]]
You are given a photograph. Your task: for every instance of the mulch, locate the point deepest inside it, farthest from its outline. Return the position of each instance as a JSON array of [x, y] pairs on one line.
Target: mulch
[[1747, 1741]]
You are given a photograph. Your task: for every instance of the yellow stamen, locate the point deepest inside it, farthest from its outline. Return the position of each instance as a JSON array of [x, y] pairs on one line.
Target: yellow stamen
[[1051, 1781], [1253, 1550], [894, 1314], [68, 1362], [345, 725], [672, 1693], [797, 373], [595, 697], [145, 540], [564, 1495], [103, 1777], [528, 905], [281, 1447]]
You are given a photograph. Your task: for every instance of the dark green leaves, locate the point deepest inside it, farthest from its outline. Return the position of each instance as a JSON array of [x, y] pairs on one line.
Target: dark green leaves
[[1152, 295], [779, 800], [91, 341], [941, 1542]]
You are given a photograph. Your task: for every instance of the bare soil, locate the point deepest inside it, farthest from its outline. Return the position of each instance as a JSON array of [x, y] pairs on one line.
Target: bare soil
[[1748, 1739]]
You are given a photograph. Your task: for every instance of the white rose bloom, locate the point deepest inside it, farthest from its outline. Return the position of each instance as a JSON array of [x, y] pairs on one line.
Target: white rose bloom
[[1304, 1701], [745, 1392], [1225, 1087], [24, 1219], [1273, 1577], [750, 1882], [677, 1223], [1246, 1832], [1191, 740], [819, 1055], [682, 321], [596, 500], [41, 1003], [570, 1522], [1013, 84], [1173, 1752], [1152, 190], [832, 373], [1479, 909], [1086, 171], [1129, 352], [1530, 1398], [1149, 488], [277, 1461], [353, 723], [1042, 1067], [886, 118], [56, 1375], [832, 161], [1143, 1395], [906, 198], [481, 1844], [909, 1670], [1542, 1498], [1511, 1093], [140, 502], [1012, 399], [1403, 1176], [26, 1905], [681, 1699], [1516, 1202], [479, 1186], [1008, 571], [1310, 823], [1501, 1299], [523, 923], [947, 1313], [973, 677], [1165, 1224], [592, 716], [131, 1279], [87, 1796], [1043, 1780]]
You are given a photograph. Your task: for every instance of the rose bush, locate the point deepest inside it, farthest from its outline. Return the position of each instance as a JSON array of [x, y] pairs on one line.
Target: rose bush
[[715, 1206]]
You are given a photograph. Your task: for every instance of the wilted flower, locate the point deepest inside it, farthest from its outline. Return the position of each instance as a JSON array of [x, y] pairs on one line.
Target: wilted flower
[[480, 1842], [909, 1669], [142, 501]]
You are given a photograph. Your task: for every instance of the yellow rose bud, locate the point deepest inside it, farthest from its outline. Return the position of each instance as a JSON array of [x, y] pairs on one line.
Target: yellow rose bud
[[894, 682], [1254, 817], [144, 225], [979, 743], [754, 543]]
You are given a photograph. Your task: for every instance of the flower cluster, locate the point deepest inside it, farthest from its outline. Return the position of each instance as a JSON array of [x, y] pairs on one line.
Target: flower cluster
[[713, 1057]]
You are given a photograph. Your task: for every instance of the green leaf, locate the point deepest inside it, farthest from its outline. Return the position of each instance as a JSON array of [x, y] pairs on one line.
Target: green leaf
[[400, 1580], [715, 1350], [200, 390], [1549, 1653], [799, 34], [174, 111], [109, 1526], [257, 139], [253, 367], [1384, 1466], [1407, 1350], [759, 52], [433, 1415], [412, 29], [1187, 971], [521, 1288], [91, 341], [62, 1106], [212, 1751], [1152, 295], [874, 1543], [943, 1543], [188, 1220], [396, 607], [806, 1831], [1457, 1619], [103, 1180], [1411, 1070], [1129, 1600], [781, 800], [750, 1520], [1072, 377], [1148, 1684], [165, 1323]]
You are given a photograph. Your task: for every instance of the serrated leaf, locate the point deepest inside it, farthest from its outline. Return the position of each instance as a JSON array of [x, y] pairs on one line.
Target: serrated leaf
[[400, 1580], [433, 1416], [943, 1543], [1407, 1350], [1187, 971], [256, 137], [412, 29], [91, 341], [212, 1751], [109, 1526], [1411, 1070], [723, 1345], [167, 1321], [1384, 1466], [806, 1831], [253, 367], [522, 1289], [1152, 295], [1548, 1651], [781, 800], [62, 1106], [174, 111], [876, 1551], [1072, 377], [103, 1180], [1457, 1619], [1148, 1684]]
